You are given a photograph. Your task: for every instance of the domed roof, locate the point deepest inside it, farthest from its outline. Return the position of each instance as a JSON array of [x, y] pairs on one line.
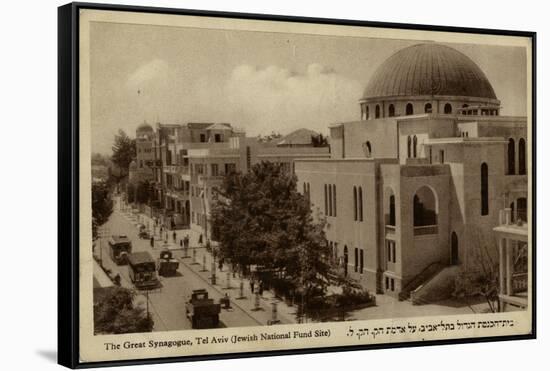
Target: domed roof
[[429, 69], [144, 127]]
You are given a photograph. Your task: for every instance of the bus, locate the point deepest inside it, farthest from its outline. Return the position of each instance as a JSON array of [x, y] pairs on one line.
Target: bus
[[142, 270], [119, 248]]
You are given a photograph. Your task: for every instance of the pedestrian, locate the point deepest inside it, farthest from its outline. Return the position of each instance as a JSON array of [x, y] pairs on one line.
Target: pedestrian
[[200, 239], [252, 286], [261, 288], [174, 236], [152, 242], [186, 241]]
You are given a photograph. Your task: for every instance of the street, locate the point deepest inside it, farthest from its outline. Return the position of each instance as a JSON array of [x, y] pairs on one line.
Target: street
[[166, 304]]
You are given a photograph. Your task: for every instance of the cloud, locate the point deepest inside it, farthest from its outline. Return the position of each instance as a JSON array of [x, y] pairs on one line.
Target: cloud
[[157, 69], [275, 98]]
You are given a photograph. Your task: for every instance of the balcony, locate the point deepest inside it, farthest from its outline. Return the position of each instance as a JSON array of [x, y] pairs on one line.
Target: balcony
[[425, 230], [210, 178]]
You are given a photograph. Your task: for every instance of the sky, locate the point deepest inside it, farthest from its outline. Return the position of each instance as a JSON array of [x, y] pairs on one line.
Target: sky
[[257, 81]]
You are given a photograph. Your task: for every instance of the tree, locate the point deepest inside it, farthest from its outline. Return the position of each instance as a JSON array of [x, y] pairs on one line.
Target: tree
[[261, 219], [143, 192], [131, 193], [102, 205], [124, 151], [478, 277], [115, 313]]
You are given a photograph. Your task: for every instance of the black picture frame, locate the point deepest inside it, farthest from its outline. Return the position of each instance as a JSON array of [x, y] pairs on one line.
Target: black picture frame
[[68, 179]]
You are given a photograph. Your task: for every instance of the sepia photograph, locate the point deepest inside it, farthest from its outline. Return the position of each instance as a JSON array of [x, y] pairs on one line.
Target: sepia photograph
[[253, 185]]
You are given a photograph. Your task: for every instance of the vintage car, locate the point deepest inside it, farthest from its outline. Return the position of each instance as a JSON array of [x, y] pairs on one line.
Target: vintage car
[[167, 265], [119, 248], [202, 311], [142, 270]]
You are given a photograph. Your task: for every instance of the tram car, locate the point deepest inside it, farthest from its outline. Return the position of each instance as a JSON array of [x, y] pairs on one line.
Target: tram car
[[142, 270], [167, 265], [119, 248]]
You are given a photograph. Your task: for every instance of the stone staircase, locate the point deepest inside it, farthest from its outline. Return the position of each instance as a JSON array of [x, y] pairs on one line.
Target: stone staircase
[[425, 275]]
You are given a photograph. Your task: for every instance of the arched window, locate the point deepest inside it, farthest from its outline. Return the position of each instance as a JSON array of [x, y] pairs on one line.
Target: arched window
[[326, 200], [454, 249], [424, 208], [330, 199], [414, 146], [360, 201], [355, 203], [409, 146], [345, 260], [522, 209], [392, 211], [428, 108], [377, 111], [391, 110], [448, 108], [511, 157], [368, 149], [484, 189], [522, 158], [409, 109], [334, 199]]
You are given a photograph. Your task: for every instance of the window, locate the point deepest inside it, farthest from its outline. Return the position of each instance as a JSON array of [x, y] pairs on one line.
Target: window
[[377, 111], [428, 108], [345, 260], [387, 283], [448, 108], [334, 199], [441, 156], [522, 170], [363, 112], [230, 168], [409, 145], [360, 200], [485, 189], [511, 157], [217, 138], [424, 207], [329, 200], [326, 200], [392, 210], [368, 149], [391, 110], [203, 138], [392, 281], [414, 146], [355, 203], [356, 260], [214, 169], [409, 109], [522, 209], [367, 112], [390, 247], [361, 261]]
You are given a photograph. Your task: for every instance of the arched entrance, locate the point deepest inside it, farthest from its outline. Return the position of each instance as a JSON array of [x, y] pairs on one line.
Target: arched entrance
[[454, 249]]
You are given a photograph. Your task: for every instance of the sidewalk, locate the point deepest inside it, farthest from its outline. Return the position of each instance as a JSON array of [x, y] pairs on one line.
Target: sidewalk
[[285, 314]]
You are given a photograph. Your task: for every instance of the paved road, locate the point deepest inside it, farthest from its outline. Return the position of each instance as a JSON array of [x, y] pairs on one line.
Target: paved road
[[167, 304]]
